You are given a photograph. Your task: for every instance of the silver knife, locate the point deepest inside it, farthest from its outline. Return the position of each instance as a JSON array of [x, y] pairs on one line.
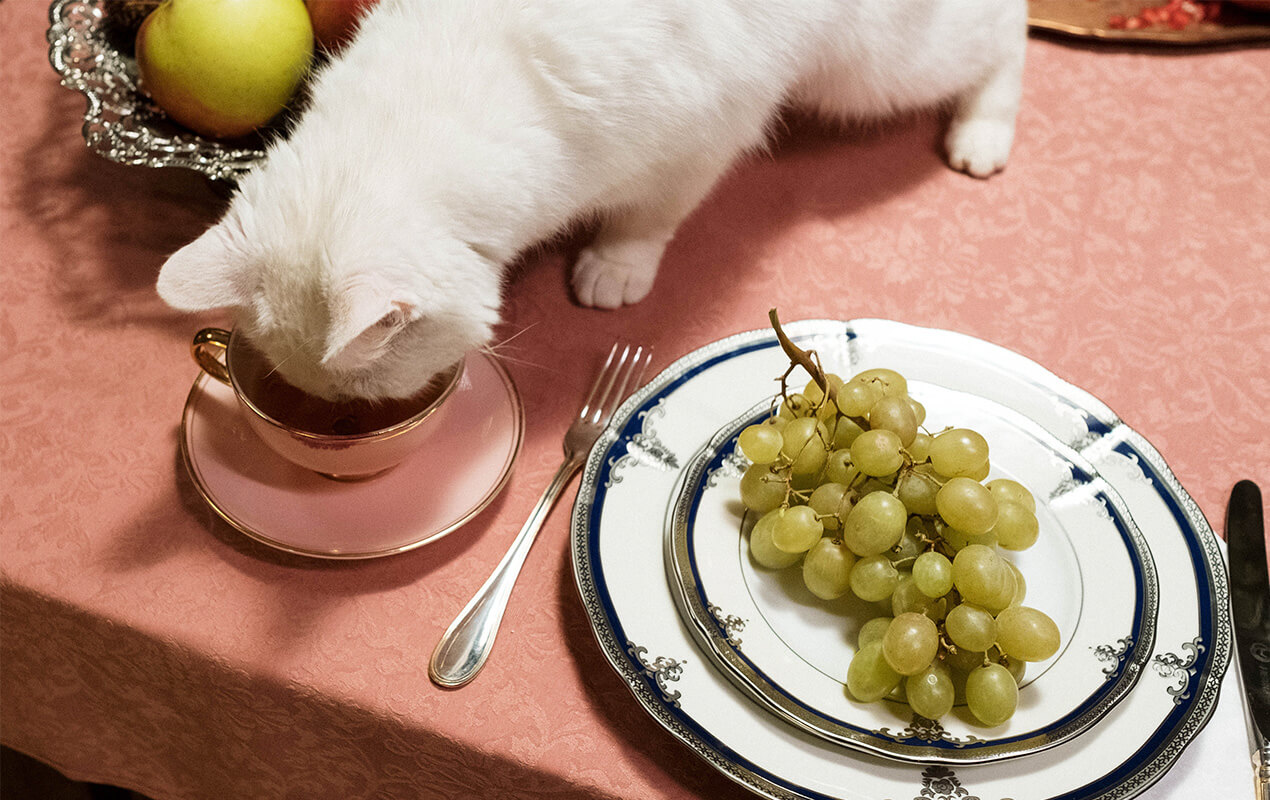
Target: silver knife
[[1250, 609]]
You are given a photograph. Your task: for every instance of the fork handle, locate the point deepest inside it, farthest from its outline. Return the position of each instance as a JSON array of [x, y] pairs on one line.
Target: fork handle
[[467, 642], [1261, 771]]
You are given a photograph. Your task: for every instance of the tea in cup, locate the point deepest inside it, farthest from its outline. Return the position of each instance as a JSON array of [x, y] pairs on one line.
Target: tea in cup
[[344, 440]]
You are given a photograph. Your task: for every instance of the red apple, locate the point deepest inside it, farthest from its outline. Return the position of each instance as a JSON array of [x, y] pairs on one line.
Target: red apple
[[335, 21]]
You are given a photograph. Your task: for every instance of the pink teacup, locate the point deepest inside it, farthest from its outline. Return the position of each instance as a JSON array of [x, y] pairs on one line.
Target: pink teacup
[[349, 440]]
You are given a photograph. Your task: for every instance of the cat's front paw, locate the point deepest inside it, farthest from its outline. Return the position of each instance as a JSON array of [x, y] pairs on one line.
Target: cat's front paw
[[979, 147], [616, 275]]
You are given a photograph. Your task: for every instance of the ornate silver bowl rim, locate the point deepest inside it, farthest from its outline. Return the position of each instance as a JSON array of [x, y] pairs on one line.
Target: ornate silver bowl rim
[[120, 123]]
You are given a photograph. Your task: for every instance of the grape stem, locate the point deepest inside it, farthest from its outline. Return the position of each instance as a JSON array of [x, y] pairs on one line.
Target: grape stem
[[804, 359]]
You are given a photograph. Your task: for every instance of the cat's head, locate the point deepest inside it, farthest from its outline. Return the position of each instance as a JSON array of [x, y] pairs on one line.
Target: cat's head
[[354, 303]]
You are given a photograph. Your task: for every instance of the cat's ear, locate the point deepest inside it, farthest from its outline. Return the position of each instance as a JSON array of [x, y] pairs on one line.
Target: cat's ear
[[365, 316], [204, 274]]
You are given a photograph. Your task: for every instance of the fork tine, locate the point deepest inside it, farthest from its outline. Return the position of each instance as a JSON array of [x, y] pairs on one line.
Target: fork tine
[[611, 376], [634, 370], [631, 376], [599, 379]]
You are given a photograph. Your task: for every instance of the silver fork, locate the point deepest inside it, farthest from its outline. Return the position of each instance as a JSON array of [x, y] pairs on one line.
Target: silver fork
[[467, 642]]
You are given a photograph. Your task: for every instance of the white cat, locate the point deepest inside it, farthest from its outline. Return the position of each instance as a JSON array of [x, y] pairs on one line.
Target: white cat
[[366, 253]]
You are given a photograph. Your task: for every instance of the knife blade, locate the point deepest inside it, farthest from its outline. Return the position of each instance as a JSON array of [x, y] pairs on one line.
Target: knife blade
[[1250, 611]]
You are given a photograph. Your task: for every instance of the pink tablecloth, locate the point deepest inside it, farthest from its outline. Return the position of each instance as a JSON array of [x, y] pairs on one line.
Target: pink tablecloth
[[145, 643]]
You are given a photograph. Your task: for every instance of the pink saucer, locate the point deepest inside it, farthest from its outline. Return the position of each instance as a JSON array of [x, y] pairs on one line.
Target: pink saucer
[[451, 478]]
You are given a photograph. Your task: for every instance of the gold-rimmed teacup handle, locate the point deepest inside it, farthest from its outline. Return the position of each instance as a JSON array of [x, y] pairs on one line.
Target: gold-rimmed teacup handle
[[208, 344]]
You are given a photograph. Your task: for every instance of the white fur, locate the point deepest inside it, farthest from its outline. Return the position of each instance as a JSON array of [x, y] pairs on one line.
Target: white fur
[[366, 253]]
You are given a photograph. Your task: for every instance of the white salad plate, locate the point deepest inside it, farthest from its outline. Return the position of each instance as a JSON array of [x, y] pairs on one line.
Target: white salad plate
[[627, 498], [1090, 570]]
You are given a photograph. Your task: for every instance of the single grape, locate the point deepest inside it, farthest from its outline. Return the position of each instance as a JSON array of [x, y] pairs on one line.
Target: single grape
[[803, 446], [967, 505], [980, 473], [919, 410], [1017, 667], [1009, 491], [872, 631], [891, 383], [795, 435], [796, 529], [977, 574], [1016, 527], [910, 643], [930, 692], [795, 406], [761, 489], [826, 412], [958, 540], [1027, 633], [871, 485], [875, 524], [971, 628], [874, 578], [855, 399], [932, 573], [919, 450], [877, 452], [917, 488], [896, 415], [907, 598], [838, 467], [761, 547], [909, 547], [1020, 584], [869, 677], [826, 500], [1004, 594], [827, 569], [801, 483], [843, 431], [845, 505], [959, 684], [760, 443], [811, 459], [963, 660], [958, 451], [991, 694], [815, 394]]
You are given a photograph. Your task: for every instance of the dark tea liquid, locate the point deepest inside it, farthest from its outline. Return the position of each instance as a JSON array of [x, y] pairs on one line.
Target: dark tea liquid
[[295, 408]]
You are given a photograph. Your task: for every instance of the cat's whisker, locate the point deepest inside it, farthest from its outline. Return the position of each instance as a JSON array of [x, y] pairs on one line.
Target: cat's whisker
[[295, 351], [505, 357], [499, 349], [281, 362], [514, 336]]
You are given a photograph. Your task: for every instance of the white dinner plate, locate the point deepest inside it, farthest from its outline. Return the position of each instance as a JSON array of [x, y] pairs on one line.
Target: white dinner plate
[[617, 537], [1090, 570]]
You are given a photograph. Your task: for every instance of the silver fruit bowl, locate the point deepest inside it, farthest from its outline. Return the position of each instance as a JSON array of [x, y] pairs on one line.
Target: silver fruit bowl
[[121, 123]]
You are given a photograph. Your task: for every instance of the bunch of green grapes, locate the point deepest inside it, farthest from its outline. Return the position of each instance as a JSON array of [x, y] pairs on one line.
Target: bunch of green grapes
[[848, 484]]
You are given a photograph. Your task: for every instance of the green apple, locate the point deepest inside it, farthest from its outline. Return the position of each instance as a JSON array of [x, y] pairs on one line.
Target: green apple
[[224, 67]]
